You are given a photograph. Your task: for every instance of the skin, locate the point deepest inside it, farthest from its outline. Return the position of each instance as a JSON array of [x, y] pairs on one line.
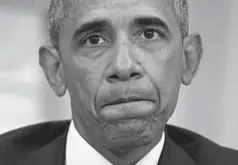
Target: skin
[[124, 88]]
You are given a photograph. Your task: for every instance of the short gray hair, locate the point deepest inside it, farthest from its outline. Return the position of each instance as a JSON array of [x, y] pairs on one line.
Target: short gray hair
[[57, 13]]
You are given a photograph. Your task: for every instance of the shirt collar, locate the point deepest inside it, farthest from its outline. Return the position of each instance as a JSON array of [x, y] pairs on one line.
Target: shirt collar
[[78, 150]]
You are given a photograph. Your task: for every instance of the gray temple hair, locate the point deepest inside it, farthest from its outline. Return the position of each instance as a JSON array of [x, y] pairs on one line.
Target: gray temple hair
[[57, 13]]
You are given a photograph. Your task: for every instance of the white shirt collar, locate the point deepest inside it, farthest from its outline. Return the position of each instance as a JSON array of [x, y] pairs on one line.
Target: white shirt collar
[[78, 150]]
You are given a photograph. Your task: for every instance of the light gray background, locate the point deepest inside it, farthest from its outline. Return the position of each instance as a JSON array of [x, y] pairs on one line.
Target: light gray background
[[208, 106]]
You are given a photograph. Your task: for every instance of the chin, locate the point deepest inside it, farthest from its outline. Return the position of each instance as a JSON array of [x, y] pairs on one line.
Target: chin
[[127, 135]]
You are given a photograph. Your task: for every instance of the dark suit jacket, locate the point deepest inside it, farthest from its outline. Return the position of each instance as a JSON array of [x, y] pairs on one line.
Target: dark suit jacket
[[44, 144]]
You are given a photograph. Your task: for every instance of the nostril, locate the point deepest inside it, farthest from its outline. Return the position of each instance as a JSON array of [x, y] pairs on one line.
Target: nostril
[[113, 77], [135, 75], [123, 77]]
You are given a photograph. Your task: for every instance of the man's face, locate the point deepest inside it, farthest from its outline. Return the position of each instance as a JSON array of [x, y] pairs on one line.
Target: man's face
[[122, 63]]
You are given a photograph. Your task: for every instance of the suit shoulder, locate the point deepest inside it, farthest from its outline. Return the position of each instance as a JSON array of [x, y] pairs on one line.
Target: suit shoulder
[[201, 149], [17, 143]]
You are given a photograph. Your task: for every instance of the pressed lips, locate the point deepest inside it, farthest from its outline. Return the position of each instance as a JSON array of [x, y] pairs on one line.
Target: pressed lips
[[127, 108], [123, 100]]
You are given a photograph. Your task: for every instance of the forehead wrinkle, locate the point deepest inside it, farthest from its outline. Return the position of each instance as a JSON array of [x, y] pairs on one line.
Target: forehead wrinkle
[[125, 16], [74, 7], [91, 12], [77, 6]]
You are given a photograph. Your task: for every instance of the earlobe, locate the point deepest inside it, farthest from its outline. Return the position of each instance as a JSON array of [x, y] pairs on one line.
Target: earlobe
[[192, 50], [52, 67]]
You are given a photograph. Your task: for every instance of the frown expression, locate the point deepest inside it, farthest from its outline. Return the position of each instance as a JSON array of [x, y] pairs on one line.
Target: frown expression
[[122, 63]]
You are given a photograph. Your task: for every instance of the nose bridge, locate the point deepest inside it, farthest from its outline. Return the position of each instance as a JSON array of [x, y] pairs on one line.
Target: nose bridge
[[123, 60], [123, 65]]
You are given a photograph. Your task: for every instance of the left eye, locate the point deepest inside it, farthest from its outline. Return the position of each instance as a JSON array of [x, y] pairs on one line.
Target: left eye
[[94, 40], [150, 34]]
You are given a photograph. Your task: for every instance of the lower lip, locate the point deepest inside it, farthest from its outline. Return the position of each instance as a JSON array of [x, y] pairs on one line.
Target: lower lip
[[129, 110]]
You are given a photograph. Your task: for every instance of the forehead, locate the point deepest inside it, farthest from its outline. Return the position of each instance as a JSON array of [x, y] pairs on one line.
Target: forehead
[[121, 10], [81, 4]]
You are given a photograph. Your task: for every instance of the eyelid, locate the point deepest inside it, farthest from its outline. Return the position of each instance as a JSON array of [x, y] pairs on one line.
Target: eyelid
[[86, 38], [160, 32], [82, 41]]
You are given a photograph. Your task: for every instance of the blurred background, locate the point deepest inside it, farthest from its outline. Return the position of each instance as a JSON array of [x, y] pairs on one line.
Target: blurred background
[[208, 106]]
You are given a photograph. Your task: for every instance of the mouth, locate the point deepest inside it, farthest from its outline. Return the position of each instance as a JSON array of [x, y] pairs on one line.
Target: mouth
[[127, 108], [124, 100]]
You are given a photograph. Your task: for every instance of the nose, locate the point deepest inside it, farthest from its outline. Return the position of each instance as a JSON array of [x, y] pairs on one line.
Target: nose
[[124, 66]]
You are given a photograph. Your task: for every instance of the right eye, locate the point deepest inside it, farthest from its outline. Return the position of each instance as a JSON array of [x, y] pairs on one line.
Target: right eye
[[151, 35], [93, 40]]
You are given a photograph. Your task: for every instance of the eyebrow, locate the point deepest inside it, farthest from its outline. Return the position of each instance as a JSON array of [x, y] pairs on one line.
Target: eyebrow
[[97, 25], [151, 21]]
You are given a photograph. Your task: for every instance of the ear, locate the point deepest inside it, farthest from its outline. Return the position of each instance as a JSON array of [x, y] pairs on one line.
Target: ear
[[192, 47], [51, 64]]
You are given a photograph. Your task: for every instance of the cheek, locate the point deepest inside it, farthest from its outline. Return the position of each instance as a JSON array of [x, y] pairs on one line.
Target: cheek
[[163, 68], [83, 78]]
